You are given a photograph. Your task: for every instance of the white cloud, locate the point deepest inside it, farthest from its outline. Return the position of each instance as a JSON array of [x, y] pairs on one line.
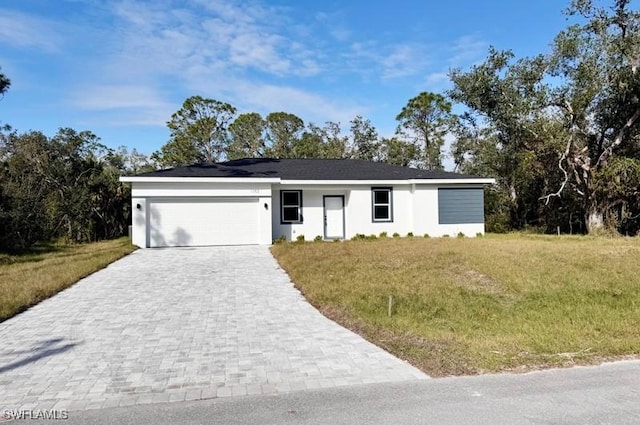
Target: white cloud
[[464, 51], [124, 104], [388, 61], [104, 97], [242, 53], [403, 61], [437, 78], [22, 30], [310, 106], [468, 49]]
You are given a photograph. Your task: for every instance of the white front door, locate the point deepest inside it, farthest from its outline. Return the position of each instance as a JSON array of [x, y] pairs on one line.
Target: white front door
[[333, 217]]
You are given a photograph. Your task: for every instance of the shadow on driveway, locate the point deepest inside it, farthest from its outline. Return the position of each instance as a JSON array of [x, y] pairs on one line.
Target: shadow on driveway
[[46, 348]]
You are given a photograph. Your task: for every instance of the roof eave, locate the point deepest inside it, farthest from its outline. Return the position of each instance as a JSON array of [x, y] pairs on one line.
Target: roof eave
[[470, 180], [150, 179]]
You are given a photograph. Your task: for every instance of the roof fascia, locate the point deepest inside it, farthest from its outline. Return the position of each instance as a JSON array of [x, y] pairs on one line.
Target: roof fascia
[[134, 179]]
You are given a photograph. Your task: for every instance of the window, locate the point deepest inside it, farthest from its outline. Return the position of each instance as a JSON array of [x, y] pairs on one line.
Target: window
[[382, 204], [290, 206]]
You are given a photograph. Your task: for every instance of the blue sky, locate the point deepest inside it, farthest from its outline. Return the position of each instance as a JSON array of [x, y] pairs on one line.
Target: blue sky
[[121, 68]]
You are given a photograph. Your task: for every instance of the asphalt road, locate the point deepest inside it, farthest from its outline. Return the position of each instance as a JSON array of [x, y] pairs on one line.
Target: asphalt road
[[607, 394]]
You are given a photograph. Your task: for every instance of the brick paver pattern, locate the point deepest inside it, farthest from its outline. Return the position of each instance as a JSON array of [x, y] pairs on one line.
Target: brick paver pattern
[[164, 325]]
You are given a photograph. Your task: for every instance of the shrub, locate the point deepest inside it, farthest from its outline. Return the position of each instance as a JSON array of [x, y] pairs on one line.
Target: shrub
[[281, 239], [396, 235], [337, 240], [498, 223], [372, 237], [300, 238], [460, 235], [383, 235], [317, 239], [426, 236], [359, 237], [445, 236], [410, 234], [479, 235]]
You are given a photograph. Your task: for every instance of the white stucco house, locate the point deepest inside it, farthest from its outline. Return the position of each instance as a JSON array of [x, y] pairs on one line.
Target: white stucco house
[[255, 201]]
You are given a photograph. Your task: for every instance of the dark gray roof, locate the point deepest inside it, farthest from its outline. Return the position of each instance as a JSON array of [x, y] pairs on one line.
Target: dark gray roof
[[304, 169]]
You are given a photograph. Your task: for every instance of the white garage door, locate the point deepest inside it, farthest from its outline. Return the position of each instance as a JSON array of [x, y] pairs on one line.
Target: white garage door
[[201, 222]]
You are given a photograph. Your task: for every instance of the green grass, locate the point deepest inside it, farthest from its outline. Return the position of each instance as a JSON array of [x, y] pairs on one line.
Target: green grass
[[27, 279], [478, 305]]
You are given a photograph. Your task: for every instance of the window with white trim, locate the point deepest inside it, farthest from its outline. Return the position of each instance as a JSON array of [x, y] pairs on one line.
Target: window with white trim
[[382, 204], [290, 206]]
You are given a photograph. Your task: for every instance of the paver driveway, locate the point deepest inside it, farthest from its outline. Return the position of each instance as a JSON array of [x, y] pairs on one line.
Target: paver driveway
[[175, 324]]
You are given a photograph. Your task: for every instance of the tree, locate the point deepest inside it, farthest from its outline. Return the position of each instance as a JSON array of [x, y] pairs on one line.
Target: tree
[[398, 152], [199, 133], [335, 144], [321, 142], [61, 187], [425, 120], [25, 216], [5, 83], [247, 136], [507, 132], [129, 162], [283, 132], [364, 139], [599, 102], [560, 131], [310, 144]]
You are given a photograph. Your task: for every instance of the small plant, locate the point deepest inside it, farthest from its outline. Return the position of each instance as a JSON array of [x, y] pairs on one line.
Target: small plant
[[479, 235], [337, 240], [396, 235], [317, 239], [372, 237], [445, 236], [460, 235], [410, 234], [300, 238], [426, 236], [383, 235], [280, 239]]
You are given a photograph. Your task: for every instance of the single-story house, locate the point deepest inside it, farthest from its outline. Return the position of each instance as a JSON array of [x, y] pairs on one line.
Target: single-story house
[[255, 201]]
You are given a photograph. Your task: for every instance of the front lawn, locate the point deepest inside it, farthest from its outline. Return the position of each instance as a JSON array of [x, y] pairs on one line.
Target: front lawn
[[466, 306], [27, 279]]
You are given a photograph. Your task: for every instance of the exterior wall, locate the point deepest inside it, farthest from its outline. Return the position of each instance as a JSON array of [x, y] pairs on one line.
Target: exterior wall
[[414, 208], [206, 189], [143, 192], [358, 212], [425, 210], [139, 222], [312, 211]]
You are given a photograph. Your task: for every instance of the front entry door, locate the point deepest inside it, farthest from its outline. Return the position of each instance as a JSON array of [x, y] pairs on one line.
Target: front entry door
[[333, 217]]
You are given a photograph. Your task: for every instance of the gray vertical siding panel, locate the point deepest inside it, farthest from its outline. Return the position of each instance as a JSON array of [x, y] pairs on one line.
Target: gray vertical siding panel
[[460, 205]]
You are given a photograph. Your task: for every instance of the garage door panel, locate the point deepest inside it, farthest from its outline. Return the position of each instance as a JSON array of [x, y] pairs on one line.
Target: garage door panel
[[203, 222]]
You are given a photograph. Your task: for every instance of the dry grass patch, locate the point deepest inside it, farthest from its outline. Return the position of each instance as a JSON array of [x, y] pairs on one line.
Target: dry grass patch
[[464, 306], [27, 279]]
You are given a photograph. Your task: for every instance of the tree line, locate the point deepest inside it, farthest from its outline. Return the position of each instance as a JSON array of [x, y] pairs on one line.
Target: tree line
[[208, 130], [559, 131]]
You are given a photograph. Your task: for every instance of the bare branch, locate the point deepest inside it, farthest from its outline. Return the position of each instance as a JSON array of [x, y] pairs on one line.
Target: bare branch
[[567, 106], [563, 157], [606, 154]]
